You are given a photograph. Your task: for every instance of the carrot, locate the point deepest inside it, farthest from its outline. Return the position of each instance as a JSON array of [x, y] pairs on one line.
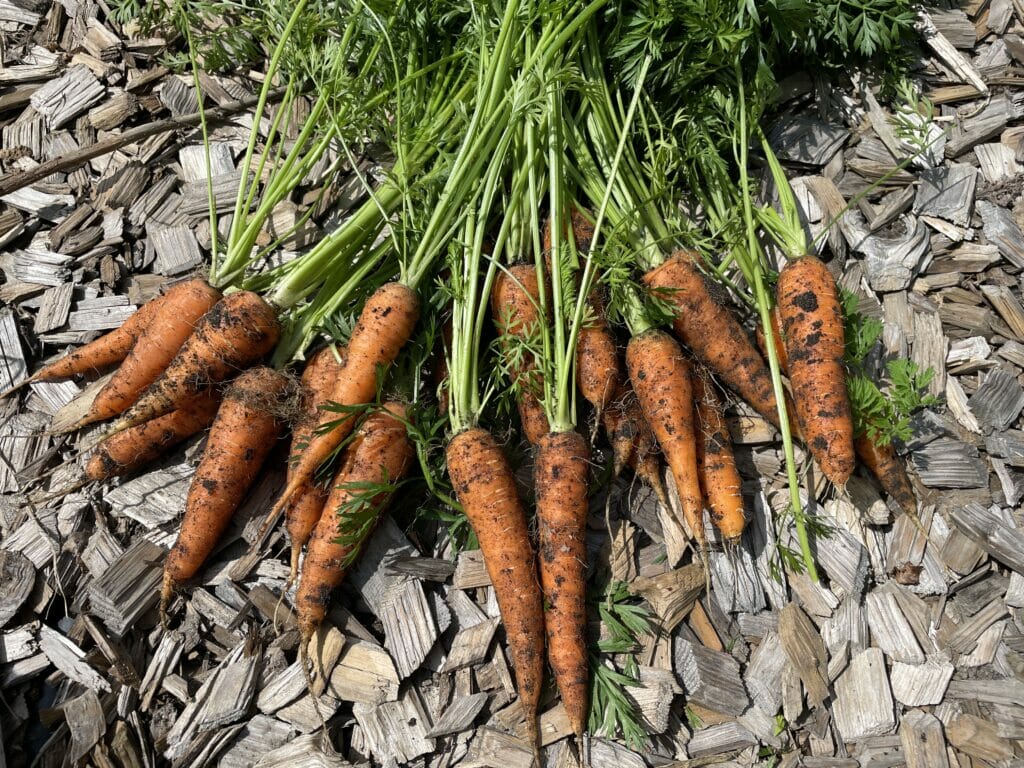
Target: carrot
[[780, 344], [237, 331], [716, 464], [812, 323], [158, 342], [662, 381], [305, 507], [140, 445], [560, 477], [514, 308], [713, 333], [102, 353], [242, 435], [381, 453], [486, 488], [633, 442]]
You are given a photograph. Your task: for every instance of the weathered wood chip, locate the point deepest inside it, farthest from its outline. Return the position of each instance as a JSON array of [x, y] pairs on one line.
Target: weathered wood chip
[[17, 577], [990, 532], [84, 716], [924, 745], [102, 313], [19, 643], [805, 650], [918, 685], [259, 736], [69, 659], [396, 730], [129, 587], [470, 645], [890, 630], [64, 98], [709, 678], [365, 673], [1003, 231], [176, 248], [950, 464], [719, 739], [154, 498], [806, 140], [304, 751], [863, 703], [459, 716], [978, 738], [999, 399], [672, 594], [947, 192]]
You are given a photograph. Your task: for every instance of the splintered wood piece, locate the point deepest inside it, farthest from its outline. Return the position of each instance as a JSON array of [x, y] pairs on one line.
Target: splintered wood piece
[[469, 647], [259, 736], [1008, 306], [282, 689], [19, 643], [763, 672], [966, 636], [154, 498], [459, 716], [64, 98], [805, 650], [396, 731], [365, 673], [491, 747], [302, 713], [672, 594], [653, 698], [989, 531], [305, 751], [710, 678], [947, 192], [17, 577], [863, 703], [129, 587], [177, 251], [950, 464], [325, 648], [470, 571], [165, 658], [719, 739], [845, 560], [890, 629], [1003, 231], [923, 743], [930, 348], [85, 720], [69, 659], [918, 685], [978, 738], [999, 399]]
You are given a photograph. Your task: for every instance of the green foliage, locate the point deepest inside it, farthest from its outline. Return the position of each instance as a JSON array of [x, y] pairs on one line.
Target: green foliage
[[359, 512], [611, 712]]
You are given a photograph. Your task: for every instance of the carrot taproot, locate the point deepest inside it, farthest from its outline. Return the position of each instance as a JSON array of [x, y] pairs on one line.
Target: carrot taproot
[[381, 454], [812, 323], [306, 506], [136, 447], [560, 477], [777, 335], [716, 464], [486, 488], [385, 324], [243, 433], [515, 311], [713, 333], [172, 322], [887, 467], [663, 384], [235, 333], [633, 442]]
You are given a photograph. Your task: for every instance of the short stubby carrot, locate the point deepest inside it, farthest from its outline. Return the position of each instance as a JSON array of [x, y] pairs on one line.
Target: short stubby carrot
[[382, 454], [385, 324], [719, 477], [486, 488], [236, 332], [662, 381], [560, 476], [305, 507], [713, 333], [516, 312], [136, 447], [157, 344], [812, 323], [887, 467], [244, 432]]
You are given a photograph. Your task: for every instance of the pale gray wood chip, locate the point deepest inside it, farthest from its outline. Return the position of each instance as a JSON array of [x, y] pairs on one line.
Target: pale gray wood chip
[[672, 594], [259, 736], [930, 348], [998, 162], [177, 251], [966, 636], [982, 127], [917, 685], [990, 532], [1007, 445], [69, 659], [709, 678], [806, 140], [282, 689], [924, 745], [165, 658], [1006, 691], [13, 368], [102, 313], [129, 587], [497, 749], [950, 464], [999, 400], [305, 751], [470, 645], [863, 703], [193, 161], [17, 577], [653, 698], [54, 306], [459, 716], [396, 730], [947, 192], [41, 267], [154, 498], [85, 720], [20, 643], [890, 630], [763, 672], [805, 651], [21, 443], [365, 673], [1003, 231], [15, 14], [719, 739], [302, 715], [47, 206], [64, 98], [470, 571]]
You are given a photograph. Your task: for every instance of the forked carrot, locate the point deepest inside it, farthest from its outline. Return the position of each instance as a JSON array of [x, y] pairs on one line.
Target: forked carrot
[[381, 454], [560, 477], [719, 478], [812, 323], [515, 311], [713, 333], [305, 507], [486, 488], [662, 381], [173, 321], [237, 332], [244, 432], [385, 325]]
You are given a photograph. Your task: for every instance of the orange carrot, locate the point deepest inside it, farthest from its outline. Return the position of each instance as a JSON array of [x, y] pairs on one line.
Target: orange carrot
[[385, 325], [158, 342], [515, 310], [560, 477], [486, 488], [237, 331], [713, 333], [381, 452], [145, 443], [305, 507], [812, 323], [243, 434], [662, 381], [780, 344], [716, 464], [633, 442], [887, 467]]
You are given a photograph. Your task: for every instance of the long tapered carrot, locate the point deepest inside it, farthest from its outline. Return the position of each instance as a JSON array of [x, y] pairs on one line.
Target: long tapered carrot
[[713, 333], [102, 353], [244, 432], [716, 464], [486, 488], [236, 332], [173, 321], [136, 447], [633, 442], [662, 381], [812, 323], [385, 325], [515, 310], [560, 477], [381, 454], [305, 507]]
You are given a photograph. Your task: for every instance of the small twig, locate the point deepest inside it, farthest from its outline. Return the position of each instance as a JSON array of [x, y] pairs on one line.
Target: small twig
[[13, 182]]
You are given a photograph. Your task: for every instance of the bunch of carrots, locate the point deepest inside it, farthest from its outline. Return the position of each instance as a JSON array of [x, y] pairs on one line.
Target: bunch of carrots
[[527, 211]]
